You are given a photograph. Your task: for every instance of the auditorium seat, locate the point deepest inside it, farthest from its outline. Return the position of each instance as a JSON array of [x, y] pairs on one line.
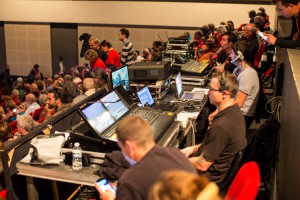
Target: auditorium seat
[[36, 114], [13, 125], [245, 184], [258, 55]]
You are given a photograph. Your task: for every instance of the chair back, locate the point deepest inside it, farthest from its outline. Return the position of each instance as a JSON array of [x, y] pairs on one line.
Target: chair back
[[235, 165], [36, 114], [245, 184]]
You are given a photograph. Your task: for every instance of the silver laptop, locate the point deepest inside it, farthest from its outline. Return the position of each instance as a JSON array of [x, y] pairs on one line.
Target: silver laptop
[[184, 95]]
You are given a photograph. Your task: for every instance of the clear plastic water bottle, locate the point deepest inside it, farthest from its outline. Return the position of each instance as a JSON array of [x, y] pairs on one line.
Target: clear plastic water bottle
[[77, 157]]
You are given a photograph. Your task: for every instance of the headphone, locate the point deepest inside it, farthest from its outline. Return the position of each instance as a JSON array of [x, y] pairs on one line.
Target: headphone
[[223, 82], [239, 56], [58, 94]]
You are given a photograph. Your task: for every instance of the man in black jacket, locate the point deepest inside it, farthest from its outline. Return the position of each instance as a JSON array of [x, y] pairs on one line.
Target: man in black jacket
[[288, 9]]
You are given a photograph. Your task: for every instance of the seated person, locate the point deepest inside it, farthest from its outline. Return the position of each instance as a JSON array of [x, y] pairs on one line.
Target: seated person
[[226, 135], [249, 36], [248, 82], [55, 103], [223, 58], [206, 50], [147, 160]]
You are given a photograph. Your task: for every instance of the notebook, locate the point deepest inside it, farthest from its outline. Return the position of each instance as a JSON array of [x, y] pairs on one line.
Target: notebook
[[184, 95], [145, 97]]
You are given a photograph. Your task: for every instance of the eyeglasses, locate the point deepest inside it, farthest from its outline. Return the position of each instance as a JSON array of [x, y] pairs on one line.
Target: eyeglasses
[[212, 89]]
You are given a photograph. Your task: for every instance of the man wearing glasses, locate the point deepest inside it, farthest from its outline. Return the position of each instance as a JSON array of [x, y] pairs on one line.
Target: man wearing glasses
[[288, 9], [226, 135]]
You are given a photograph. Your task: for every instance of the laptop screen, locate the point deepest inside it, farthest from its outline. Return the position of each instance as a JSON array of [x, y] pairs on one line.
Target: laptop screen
[[145, 96], [97, 117], [120, 77], [178, 82], [114, 105]]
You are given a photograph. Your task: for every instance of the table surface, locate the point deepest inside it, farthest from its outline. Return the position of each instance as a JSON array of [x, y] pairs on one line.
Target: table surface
[[62, 172]]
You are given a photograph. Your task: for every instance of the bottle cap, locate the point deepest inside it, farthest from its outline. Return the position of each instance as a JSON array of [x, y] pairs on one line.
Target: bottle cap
[[76, 144]]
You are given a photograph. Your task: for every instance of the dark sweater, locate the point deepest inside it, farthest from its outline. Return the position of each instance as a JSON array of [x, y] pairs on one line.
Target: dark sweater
[[137, 180]]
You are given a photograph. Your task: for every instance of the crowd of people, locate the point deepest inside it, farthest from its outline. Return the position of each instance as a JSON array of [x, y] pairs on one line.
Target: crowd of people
[[233, 90]]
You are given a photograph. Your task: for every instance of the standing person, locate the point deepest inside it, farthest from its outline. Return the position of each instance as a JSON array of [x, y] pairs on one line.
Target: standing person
[[127, 55], [148, 160], [5, 78], [288, 9], [95, 62], [225, 137], [113, 56], [95, 45], [34, 73], [61, 65]]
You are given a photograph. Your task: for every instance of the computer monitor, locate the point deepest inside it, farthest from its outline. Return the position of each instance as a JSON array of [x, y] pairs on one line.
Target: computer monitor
[[178, 82], [144, 96], [97, 117], [120, 77], [114, 105]]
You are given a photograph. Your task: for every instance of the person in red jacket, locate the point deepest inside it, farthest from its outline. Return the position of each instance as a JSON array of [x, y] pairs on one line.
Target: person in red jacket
[[95, 62], [113, 56]]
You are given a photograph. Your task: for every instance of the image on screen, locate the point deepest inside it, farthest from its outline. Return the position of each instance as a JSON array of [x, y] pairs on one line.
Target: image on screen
[[120, 77], [114, 105], [145, 96], [178, 82], [98, 117]]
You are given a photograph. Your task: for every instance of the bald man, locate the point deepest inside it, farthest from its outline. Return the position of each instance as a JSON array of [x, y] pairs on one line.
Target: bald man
[[31, 103], [249, 34], [89, 88]]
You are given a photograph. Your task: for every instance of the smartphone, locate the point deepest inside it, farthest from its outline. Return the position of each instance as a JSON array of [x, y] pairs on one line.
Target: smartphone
[[104, 185], [262, 35]]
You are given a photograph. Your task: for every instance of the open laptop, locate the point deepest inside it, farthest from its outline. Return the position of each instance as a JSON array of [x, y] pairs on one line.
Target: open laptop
[[145, 97], [120, 77], [184, 95], [102, 115]]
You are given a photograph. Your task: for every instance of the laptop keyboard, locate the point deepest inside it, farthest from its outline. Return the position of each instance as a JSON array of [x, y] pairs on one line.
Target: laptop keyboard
[[198, 96], [187, 95], [149, 115]]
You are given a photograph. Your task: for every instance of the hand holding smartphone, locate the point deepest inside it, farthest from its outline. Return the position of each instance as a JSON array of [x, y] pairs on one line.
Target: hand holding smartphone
[[104, 185]]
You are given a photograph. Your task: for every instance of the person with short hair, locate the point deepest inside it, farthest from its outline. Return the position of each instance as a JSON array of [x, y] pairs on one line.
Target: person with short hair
[[127, 54], [249, 36], [206, 50], [31, 103], [95, 45], [223, 58], [226, 135], [113, 56], [251, 14], [25, 124], [147, 160], [89, 88], [55, 103], [288, 9]]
